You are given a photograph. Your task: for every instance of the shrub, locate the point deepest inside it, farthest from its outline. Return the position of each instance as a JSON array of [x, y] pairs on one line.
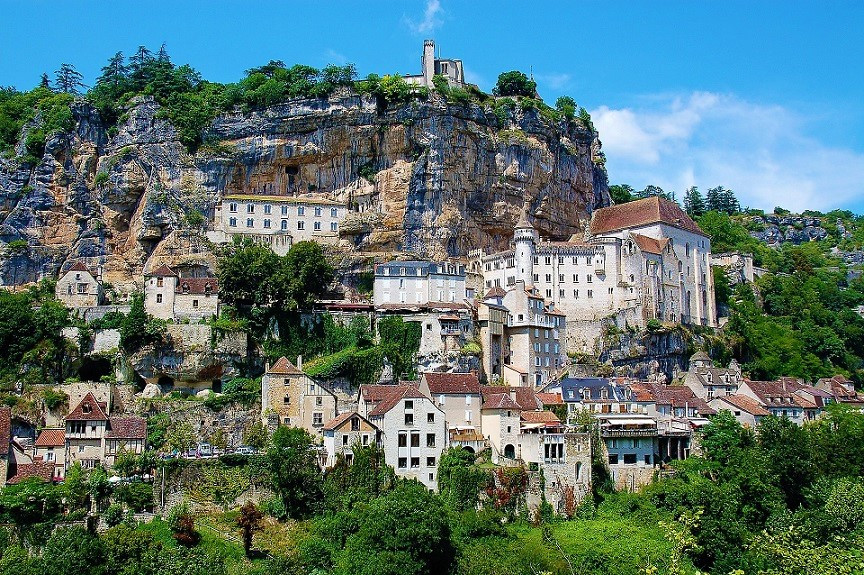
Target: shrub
[[101, 179], [113, 515], [137, 496], [567, 106], [182, 526], [54, 399], [654, 325], [514, 83]]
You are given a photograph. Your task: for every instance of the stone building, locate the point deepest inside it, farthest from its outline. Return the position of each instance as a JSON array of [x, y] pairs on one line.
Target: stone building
[[747, 411], [50, 447], [278, 221], [290, 397], [413, 433], [431, 66], [640, 260], [458, 396], [346, 431], [420, 283], [94, 438], [79, 288], [708, 381], [169, 296]]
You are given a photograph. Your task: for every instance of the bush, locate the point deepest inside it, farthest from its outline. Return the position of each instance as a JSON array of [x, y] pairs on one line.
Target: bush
[[514, 83], [137, 496], [113, 515], [653, 325], [54, 399], [101, 179]]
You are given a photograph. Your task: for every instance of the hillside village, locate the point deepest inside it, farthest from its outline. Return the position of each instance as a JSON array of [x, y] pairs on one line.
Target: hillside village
[[533, 367]]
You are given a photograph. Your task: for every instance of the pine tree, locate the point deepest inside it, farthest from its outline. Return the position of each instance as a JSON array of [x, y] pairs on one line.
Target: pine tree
[[694, 203], [44, 82], [68, 79], [720, 199], [163, 56], [114, 72]]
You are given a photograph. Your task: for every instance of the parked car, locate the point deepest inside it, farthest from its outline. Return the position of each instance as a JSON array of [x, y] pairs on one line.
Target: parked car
[[246, 450], [205, 450]]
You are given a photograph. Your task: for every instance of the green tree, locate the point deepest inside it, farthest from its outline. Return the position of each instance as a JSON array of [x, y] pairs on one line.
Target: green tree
[[73, 551], [788, 455], [515, 83], [720, 199], [368, 476], [566, 106], [307, 275], [139, 328], [245, 271], [405, 532], [621, 193], [68, 80], [294, 474], [459, 479], [694, 203], [180, 436]]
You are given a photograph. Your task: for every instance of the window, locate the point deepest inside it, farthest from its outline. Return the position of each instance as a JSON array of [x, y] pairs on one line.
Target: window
[[548, 278], [430, 418], [415, 440], [232, 207], [589, 278], [548, 260], [267, 223], [334, 213], [301, 210], [316, 226], [430, 440], [409, 419], [590, 293], [267, 208], [284, 210], [284, 225], [560, 277], [319, 400], [232, 222], [334, 227], [195, 303], [250, 222], [158, 298], [286, 400], [403, 462], [301, 225], [403, 440], [430, 462], [344, 440], [468, 415], [409, 404], [250, 208], [613, 459], [355, 424], [317, 418], [629, 458], [415, 462], [317, 211], [365, 439]]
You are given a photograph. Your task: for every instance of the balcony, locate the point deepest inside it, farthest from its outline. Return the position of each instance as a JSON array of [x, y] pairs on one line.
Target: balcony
[[613, 432], [451, 331]]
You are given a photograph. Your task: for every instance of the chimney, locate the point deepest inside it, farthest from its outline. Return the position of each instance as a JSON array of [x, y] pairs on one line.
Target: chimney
[[266, 367], [300, 362], [512, 393]]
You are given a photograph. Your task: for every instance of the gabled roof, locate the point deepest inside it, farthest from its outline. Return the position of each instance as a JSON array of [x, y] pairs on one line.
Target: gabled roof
[[641, 213], [51, 438], [550, 398], [495, 292], [41, 469], [80, 267], [452, 383], [499, 401], [539, 417], [129, 427], [526, 398], [197, 285], [779, 394], [88, 409], [745, 404], [342, 418], [700, 356], [650, 245], [284, 367], [5, 429], [163, 271], [673, 395], [572, 389], [393, 399]]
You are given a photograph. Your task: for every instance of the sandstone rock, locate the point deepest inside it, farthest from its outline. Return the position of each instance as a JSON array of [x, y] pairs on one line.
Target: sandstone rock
[[151, 391]]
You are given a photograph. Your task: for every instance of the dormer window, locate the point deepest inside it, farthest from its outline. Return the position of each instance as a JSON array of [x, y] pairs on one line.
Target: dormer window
[[185, 287], [86, 408], [208, 289]]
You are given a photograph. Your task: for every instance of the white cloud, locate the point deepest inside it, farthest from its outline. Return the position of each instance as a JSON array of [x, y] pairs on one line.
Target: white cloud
[[336, 57], [554, 81], [431, 18], [766, 153]]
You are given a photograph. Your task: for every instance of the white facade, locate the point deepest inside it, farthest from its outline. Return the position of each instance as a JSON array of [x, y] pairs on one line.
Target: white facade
[[421, 283], [278, 221], [168, 296], [78, 288], [432, 66]]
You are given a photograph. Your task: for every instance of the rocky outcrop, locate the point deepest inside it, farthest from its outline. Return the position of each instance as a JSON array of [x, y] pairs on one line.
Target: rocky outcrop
[[773, 229], [425, 177]]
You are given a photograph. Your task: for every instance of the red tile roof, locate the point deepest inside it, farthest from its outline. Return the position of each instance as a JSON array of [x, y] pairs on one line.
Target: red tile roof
[[779, 393], [197, 285], [650, 245], [163, 271], [5, 429], [550, 398], [96, 410], [745, 404], [41, 469], [130, 427], [673, 395], [284, 367], [393, 399], [640, 213], [496, 291], [539, 417], [452, 383], [51, 438], [79, 267], [526, 398], [342, 418], [499, 401]]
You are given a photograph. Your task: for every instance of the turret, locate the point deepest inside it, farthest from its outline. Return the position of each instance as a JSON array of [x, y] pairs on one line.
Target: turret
[[524, 240], [428, 63]]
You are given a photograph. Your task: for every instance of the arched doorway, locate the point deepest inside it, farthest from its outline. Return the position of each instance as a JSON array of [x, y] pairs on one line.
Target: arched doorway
[[509, 451], [469, 449], [165, 383]]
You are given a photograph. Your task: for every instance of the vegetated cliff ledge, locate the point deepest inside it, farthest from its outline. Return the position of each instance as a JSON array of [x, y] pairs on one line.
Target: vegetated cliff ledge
[[426, 177]]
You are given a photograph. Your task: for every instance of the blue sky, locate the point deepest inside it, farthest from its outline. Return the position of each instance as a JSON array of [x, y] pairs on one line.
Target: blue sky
[[761, 97]]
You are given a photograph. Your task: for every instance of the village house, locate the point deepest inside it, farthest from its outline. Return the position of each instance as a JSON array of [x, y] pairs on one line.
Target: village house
[[50, 447], [595, 395], [169, 296], [500, 416], [413, 433], [79, 287], [346, 431], [432, 66], [290, 397], [842, 390], [94, 438], [642, 260], [708, 381], [457, 395], [278, 221], [747, 411], [780, 400], [630, 442]]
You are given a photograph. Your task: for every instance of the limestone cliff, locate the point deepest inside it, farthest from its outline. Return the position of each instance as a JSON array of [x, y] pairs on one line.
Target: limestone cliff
[[426, 177]]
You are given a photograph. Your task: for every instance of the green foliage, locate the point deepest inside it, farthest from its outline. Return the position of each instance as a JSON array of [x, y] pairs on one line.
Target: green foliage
[[368, 476], [136, 496], [182, 525], [293, 469], [621, 193], [139, 328], [34, 347], [694, 203], [54, 398], [720, 199], [157, 430], [653, 325], [514, 83], [73, 551], [459, 479], [567, 107]]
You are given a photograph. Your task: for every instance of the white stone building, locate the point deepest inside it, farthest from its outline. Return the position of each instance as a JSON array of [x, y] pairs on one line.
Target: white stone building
[[79, 287], [432, 66], [458, 396], [346, 431], [169, 296], [413, 433], [420, 283], [641, 260], [277, 221]]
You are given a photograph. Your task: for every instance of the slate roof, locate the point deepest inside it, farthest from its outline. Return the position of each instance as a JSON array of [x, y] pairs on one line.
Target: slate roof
[[526, 398], [572, 388], [700, 356], [640, 213], [51, 438], [5, 429], [499, 401], [197, 285], [452, 383], [96, 413], [130, 427], [745, 404], [650, 245], [41, 469], [284, 367], [163, 271], [416, 307], [393, 399]]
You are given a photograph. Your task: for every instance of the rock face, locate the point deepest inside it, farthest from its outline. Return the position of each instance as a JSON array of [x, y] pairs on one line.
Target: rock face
[[425, 177], [788, 229]]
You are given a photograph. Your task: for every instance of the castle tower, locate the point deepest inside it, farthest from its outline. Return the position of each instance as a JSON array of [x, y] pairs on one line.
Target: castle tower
[[525, 240], [428, 61]]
